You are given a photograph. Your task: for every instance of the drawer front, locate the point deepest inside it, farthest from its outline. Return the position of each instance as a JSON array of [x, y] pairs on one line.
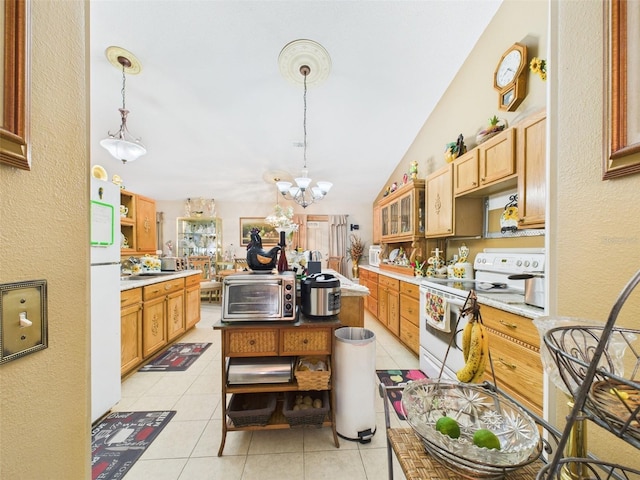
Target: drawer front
[[130, 297], [517, 367], [247, 343], [410, 289], [192, 280], [388, 282], [162, 288], [410, 309], [372, 306], [373, 289], [299, 341], [520, 328], [410, 335]]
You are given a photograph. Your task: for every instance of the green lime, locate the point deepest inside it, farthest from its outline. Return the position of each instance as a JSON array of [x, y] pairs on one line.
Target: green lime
[[486, 438], [448, 426]]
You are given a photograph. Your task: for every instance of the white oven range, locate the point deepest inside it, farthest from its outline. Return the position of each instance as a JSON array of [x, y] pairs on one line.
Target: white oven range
[[441, 300]]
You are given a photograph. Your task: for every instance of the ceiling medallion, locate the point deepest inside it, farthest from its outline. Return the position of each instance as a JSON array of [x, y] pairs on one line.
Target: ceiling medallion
[[303, 52]]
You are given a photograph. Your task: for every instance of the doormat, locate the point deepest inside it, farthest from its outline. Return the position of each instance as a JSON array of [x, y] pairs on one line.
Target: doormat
[[395, 377], [177, 358], [119, 440]]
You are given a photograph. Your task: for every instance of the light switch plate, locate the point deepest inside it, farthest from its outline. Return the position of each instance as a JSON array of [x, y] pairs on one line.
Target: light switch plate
[[23, 319]]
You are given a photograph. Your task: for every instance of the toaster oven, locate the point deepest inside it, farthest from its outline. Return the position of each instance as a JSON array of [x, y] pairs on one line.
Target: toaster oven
[[259, 297]]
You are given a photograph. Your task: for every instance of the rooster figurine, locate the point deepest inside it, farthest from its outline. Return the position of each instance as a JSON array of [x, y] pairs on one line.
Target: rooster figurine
[[257, 258]]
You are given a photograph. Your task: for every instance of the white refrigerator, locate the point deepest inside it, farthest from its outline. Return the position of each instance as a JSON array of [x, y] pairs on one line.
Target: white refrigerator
[[105, 297]]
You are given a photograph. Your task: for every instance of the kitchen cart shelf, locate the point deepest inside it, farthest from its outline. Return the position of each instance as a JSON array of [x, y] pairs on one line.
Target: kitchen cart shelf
[[275, 339], [589, 360]]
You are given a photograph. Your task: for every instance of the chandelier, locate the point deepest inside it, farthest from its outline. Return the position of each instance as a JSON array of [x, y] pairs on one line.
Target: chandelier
[[308, 52], [118, 144], [282, 218]]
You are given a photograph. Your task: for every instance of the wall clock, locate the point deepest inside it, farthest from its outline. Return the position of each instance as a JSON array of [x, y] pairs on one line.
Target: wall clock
[[510, 78]]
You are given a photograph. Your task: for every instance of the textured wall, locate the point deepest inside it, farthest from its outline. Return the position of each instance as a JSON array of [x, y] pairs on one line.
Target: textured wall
[[44, 397], [594, 233]]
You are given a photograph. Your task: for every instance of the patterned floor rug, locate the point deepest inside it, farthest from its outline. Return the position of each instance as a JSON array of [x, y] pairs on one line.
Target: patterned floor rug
[[177, 358], [119, 440], [396, 377]]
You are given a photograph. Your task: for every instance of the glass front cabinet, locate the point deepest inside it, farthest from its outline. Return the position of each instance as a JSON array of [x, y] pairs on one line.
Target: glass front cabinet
[[402, 213], [199, 236]]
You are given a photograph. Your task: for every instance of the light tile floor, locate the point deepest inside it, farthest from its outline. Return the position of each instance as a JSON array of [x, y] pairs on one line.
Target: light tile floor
[[187, 447]]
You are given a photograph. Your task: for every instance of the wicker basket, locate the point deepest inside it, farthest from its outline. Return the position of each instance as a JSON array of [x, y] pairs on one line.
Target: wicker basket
[[309, 417], [313, 380], [251, 408]]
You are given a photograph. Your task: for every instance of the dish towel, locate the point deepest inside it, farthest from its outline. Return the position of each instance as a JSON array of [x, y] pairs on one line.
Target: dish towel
[[436, 311]]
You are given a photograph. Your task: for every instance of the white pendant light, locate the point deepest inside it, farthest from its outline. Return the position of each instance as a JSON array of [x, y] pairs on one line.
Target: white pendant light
[[119, 144]]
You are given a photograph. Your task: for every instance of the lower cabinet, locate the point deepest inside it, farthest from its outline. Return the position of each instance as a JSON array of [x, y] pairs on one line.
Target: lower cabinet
[[191, 301], [370, 280], [130, 329], [389, 303], [410, 315], [154, 316], [514, 345], [304, 337]]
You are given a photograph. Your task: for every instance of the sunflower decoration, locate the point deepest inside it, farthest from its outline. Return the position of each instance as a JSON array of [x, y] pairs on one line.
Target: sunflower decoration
[[539, 67]]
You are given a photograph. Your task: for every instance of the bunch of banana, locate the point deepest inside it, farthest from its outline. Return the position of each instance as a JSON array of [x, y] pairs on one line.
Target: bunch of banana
[[475, 349]]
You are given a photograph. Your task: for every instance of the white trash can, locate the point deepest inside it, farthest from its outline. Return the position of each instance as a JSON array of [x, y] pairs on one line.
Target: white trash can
[[355, 383]]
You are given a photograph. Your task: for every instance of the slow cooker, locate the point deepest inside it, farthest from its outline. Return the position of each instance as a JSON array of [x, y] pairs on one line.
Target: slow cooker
[[320, 295]]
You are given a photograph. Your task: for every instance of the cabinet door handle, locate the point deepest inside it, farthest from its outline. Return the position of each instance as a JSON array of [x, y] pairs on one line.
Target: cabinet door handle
[[509, 325], [305, 341], [474, 183], [167, 287], [512, 366], [252, 342]]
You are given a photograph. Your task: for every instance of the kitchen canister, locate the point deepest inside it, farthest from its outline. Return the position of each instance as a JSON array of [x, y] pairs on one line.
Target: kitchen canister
[[463, 270]]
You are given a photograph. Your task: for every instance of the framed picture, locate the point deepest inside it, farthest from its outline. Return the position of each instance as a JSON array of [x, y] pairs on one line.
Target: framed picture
[[14, 101], [622, 64], [268, 234]]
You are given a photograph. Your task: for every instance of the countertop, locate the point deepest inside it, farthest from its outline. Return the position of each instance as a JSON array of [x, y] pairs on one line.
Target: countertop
[[157, 278], [349, 288], [521, 309]]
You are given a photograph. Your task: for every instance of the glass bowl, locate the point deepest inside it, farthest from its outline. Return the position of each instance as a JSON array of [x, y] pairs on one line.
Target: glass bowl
[[473, 407]]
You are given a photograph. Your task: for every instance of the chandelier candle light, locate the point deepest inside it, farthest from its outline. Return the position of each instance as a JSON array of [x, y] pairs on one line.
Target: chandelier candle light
[[118, 144], [311, 53]]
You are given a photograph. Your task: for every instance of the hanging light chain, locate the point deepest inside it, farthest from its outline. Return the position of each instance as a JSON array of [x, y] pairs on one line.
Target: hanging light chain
[[124, 81], [305, 72]]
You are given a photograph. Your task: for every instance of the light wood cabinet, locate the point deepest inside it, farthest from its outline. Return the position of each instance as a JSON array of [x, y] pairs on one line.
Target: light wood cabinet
[[156, 315], [447, 215], [370, 280], [389, 303], [139, 225], [514, 344], [377, 233], [191, 301], [130, 330], [146, 241], [304, 337], [496, 158], [487, 165], [402, 213], [410, 315], [162, 313], [531, 148]]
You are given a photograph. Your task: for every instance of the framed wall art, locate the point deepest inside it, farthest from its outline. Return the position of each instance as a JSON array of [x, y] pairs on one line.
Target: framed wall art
[[268, 233], [622, 72], [14, 149]]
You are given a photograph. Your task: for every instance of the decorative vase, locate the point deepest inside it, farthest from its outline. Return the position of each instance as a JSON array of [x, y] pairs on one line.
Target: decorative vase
[[355, 270]]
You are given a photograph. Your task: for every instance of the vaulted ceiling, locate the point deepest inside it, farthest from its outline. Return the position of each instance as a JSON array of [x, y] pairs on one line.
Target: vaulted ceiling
[[220, 121]]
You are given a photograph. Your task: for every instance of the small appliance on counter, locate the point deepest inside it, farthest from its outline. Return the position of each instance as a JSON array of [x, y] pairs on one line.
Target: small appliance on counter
[[374, 255], [320, 295], [259, 296], [173, 264]]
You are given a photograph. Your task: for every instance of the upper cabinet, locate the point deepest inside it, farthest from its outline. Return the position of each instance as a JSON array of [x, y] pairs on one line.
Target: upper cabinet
[[402, 213], [199, 236], [445, 215], [532, 192], [489, 164], [137, 224]]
